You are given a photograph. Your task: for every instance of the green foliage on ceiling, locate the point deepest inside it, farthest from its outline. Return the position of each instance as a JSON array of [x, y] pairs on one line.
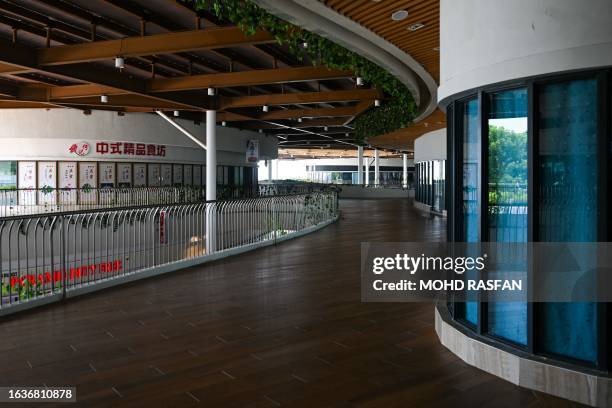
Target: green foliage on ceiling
[[398, 108]]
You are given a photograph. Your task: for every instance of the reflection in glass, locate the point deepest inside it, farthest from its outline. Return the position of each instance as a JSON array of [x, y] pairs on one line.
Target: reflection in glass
[[471, 189], [507, 203], [567, 198]]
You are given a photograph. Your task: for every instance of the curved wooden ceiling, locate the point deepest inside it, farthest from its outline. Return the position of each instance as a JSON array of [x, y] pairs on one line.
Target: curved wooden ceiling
[[60, 53], [422, 44]]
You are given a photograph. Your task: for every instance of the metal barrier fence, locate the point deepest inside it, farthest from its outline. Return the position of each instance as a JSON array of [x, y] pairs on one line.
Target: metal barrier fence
[[50, 256]]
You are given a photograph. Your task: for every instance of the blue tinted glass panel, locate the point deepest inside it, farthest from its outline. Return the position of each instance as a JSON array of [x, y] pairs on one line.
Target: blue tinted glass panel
[[471, 189], [567, 198], [507, 202]]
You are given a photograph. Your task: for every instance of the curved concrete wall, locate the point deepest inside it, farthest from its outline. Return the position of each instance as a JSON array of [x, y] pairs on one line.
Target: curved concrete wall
[[489, 41], [44, 134], [430, 146]]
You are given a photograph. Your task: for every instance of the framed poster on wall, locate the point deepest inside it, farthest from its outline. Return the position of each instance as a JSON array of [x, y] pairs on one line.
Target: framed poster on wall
[[166, 175], [140, 175], [107, 174], [197, 175], [47, 182], [67, 180], [154, 175], [188, 174], [177, 175], [124, 174], [26, 179], [88, 180]]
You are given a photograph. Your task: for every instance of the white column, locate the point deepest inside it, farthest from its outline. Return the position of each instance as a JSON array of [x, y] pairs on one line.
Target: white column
[[276, 177], [211, 180], [211, 155], [367, 171], [269, 164], [360, 165], [376, 167], [405, 171]]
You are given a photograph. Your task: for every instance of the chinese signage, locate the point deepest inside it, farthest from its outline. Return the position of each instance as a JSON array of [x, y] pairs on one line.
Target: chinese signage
[[252, 151], [124, 174], [107, 175], [67, 175], [130, 149], [80, 149], [117, 149], [140, 174]]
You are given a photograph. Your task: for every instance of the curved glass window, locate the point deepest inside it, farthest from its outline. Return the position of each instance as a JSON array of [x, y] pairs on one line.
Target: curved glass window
[[567, 198], [528, 164], [507, 200]]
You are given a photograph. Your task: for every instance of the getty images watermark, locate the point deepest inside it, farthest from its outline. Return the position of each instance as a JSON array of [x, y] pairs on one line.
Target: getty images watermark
[[500, 272]]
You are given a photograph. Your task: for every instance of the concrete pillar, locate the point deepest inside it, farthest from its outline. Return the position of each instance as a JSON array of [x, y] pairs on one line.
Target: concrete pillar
[[276, 176], [360, 165], [376, 167], [405, 170], [367, 171], [211, 180], [269, 164], [211, 155]]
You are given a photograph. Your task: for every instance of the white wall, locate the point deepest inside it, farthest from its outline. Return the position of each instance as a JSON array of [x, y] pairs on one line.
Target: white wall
[[45, 135], [489, 41], [430, 146]]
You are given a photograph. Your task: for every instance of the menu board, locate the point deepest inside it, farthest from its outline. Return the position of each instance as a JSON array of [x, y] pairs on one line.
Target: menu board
[[67, 182], [187, 174], [197, 175], [107, 174], [166, 174], [177, 175], [140, 175], [88, 175], [124, 174], [47, 182], [26, 180], [154, 175]]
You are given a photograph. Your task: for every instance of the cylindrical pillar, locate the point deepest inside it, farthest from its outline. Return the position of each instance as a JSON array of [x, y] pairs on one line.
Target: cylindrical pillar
[[367, 171], [269, 164], [211, 155], [360, 165], [211, 181], [376, 167], [405, 170]]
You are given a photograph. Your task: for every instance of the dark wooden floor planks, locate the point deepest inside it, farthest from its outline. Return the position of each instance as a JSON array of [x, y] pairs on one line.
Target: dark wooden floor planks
[[281, 326]]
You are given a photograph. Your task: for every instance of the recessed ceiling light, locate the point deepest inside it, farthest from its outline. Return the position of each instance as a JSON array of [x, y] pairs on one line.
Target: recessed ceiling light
[[399, 15], [436, 48], [416, 26]]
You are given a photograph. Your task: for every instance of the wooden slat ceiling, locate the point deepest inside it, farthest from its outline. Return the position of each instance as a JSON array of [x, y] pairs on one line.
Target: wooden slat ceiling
[[421, 44], [60, 54]]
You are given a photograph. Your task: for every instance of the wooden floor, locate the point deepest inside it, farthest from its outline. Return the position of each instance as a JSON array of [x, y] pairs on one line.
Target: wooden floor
[[281, 326]]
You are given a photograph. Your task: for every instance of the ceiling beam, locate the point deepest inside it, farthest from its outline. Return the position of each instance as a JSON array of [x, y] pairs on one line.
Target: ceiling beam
[[127, 101], [299, 98], [166, 43], [247, 78]]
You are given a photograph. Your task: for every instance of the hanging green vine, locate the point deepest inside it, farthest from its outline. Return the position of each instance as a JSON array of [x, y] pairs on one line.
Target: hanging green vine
[[396, 112]]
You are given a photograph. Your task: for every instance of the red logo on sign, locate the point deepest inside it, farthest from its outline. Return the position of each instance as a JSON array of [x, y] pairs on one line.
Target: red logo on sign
[[80, 149]]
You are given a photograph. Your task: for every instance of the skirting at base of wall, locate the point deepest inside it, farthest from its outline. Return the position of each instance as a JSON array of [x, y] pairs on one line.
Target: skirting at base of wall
[[159, 270], [427, 208], [574, 385]]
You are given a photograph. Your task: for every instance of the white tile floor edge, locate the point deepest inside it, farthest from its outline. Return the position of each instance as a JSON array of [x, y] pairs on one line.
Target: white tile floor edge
[[565, 383]]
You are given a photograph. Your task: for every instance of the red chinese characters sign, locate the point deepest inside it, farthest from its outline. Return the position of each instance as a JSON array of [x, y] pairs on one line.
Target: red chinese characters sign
[[119, 149]]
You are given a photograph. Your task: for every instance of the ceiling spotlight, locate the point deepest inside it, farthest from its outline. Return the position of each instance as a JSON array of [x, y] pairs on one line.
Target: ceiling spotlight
[[224, 123], [436, 48], [104, 98], [399, 15], [346, 134], [300, 120], [326, 128], [176, 114], [266, 108], [211, 91], [305, 44], [260, 130], [119, 63], [377, 102], [359, 81], [416, 26]]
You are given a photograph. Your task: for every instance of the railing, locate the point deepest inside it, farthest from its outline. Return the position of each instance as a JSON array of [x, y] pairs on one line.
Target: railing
[[269, 189], [48, 257]]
